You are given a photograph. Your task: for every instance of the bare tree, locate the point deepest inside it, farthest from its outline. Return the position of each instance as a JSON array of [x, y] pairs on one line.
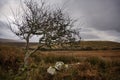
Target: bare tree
[[59, 29], [52, 25]]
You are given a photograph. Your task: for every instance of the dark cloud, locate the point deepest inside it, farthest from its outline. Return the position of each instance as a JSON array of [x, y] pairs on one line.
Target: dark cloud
[[100, 14]]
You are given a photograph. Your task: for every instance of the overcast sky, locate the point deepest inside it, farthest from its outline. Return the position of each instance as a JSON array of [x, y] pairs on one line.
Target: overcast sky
[[100, 18]]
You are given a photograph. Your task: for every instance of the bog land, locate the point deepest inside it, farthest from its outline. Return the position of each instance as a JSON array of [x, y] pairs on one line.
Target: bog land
[[99, 60]]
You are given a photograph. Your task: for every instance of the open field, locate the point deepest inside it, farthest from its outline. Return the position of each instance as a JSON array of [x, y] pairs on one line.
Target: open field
[[82, 46], [101, 53], [94, 64]]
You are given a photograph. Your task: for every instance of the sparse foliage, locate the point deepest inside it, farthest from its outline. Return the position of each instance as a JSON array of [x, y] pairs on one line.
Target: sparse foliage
[[52, 25]]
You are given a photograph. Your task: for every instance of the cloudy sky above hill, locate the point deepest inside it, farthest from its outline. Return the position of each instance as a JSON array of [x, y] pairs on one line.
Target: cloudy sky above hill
[[100, 18]]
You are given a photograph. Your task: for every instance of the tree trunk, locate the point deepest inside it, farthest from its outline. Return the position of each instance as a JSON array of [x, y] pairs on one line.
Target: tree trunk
[[26, 59], [27, 44], [27, 54]]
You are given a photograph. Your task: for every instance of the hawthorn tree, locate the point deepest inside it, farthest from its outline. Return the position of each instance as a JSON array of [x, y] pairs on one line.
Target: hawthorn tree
[[53, 25]]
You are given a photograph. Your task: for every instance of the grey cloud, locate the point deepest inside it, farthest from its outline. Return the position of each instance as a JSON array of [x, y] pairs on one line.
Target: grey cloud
[[86, 30], [5, 31], [3, 28], [114, 33], [87, 36], [3, 25], [3, 2], [99, 14]]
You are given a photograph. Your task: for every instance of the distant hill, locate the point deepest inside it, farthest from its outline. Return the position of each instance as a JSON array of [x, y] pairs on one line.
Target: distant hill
[[8, 40], [11, 42], [83, 45], [96, 45]]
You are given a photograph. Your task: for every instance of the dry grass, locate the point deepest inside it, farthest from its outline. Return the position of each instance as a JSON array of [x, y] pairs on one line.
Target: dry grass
[[83, 45], [10, 57], [100, 45], [95, 65], [101, 53]]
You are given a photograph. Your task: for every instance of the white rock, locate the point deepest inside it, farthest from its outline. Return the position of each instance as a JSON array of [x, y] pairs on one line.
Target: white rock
[[78, 63], [51, 70], [59, 65], [66, 66]]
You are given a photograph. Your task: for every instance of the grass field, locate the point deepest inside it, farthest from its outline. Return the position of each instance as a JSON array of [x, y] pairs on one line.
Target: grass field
[[82, 46], [101, 64], [100, 53]]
